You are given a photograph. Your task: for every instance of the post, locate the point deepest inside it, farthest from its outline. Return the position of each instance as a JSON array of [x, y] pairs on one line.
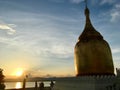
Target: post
[[41, 86], [24, 83], [36, 85], [51, 85]]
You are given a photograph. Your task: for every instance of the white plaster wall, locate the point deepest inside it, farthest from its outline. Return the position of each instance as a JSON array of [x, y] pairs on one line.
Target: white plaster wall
[[84, 83]]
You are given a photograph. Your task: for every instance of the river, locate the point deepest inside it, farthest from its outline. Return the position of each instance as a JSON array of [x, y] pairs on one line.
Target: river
[[17, 85]]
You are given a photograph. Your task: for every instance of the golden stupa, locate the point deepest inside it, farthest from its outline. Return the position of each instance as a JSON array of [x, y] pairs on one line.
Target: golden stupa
[[92, 53]]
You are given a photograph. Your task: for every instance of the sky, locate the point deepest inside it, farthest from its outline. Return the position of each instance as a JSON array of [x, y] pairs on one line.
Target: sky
[[38, 36]]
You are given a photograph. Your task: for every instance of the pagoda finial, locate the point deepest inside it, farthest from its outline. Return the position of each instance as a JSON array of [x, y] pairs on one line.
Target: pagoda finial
[[86, 9]]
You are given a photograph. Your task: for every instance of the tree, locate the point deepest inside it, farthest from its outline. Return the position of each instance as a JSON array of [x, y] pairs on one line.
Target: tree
[[2, 85]]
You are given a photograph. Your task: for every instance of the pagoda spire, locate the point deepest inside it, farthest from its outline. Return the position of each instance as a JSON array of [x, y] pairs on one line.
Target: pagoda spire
[[89, 31], [88, 24]]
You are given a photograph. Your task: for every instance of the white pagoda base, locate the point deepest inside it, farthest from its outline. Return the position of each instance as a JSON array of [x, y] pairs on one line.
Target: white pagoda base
[[87, 83]]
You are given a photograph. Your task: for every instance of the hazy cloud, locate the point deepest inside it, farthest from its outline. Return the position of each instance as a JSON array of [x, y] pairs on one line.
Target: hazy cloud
[[58, 1], [12, 25], [76, 1], [117, 5], [72, 1], [115, 13], [9, 29], [116, 50], [107, 1]]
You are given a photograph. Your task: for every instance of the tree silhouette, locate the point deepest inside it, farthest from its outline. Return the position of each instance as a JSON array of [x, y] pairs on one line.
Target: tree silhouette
[[2, 85]]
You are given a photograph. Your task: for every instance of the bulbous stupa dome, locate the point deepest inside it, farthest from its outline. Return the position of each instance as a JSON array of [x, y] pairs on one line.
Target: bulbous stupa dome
[[92, 53]]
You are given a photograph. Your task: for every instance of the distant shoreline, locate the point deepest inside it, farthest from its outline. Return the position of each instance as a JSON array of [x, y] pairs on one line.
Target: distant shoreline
[[30, 79]]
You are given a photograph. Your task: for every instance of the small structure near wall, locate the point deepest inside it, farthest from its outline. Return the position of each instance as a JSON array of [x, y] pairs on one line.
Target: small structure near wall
[[117, 82], [118, 72]]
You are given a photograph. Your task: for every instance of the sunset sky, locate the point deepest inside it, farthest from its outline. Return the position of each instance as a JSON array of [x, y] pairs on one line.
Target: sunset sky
[[38, 36]]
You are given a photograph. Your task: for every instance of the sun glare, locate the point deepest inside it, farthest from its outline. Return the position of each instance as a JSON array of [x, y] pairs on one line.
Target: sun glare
[[19, 72], [18, 85]]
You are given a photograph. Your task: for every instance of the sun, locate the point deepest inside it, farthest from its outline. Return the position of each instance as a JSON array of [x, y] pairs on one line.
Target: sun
[[19, 72]]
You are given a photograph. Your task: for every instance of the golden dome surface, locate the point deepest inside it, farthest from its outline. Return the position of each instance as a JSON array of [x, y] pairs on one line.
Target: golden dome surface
[[92, 53]]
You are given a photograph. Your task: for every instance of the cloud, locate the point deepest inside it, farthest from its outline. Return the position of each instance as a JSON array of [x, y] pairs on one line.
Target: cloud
[[107, 2], [116, 50], [115, 13], [9, 29], [76, 1], [12, 25], [57, 1], [117, 5], [72, 1]]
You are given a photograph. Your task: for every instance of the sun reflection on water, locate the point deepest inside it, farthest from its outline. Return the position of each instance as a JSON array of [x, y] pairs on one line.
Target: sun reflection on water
[[18, 85]]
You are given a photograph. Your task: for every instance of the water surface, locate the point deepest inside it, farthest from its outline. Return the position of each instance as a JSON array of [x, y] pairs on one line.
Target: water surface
[[17, 85]]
